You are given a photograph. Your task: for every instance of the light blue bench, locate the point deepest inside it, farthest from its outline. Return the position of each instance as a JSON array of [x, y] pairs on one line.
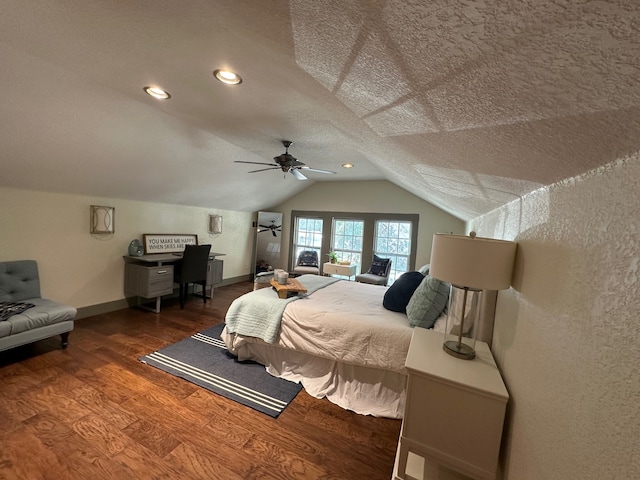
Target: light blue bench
[[20, 283]]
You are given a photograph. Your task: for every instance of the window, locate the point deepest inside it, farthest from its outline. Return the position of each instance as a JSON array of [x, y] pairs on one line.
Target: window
[[356, 236], [347, 240], [308, 236], [393, 240]]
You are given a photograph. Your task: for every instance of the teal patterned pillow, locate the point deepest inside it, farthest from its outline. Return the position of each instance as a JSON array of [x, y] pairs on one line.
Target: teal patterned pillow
[[427, 302]]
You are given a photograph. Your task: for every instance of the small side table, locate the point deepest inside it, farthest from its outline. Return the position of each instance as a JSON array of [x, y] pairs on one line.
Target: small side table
[[454, 411], [337, 269], [293, 287]]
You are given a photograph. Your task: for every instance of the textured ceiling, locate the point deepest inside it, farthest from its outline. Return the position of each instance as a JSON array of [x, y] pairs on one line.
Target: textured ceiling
[[466, 104]]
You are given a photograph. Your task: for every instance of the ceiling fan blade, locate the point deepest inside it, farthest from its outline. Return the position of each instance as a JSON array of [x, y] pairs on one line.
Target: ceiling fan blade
[[274, 233], [264, 169], [298, 174], [255, 163], [319, 171]]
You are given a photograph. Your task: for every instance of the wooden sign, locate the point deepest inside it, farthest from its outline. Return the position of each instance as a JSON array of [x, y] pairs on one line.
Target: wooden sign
[[167, 242]]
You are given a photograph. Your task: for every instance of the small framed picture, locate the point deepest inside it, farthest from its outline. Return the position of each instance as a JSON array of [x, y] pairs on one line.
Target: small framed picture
[[167, 242]]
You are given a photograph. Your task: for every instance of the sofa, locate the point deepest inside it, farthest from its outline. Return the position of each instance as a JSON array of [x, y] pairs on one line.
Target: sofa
[[25, 317]]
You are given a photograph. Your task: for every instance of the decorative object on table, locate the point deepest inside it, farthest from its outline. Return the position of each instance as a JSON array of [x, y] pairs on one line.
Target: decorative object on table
[[102, 219], [470, 264], [215, 224], [203, 360], [281, 276], [135, 248], [344, 262], [333, 257]]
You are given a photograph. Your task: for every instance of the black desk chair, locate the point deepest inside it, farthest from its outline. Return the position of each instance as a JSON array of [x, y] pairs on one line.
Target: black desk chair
[[192, 269]]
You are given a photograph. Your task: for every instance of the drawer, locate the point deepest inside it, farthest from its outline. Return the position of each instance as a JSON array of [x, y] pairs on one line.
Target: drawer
[[148, 282], [214, 272]]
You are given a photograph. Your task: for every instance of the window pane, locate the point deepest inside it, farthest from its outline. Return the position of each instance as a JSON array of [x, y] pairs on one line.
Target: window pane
[[393, 240], [347, 240], [308, 236]]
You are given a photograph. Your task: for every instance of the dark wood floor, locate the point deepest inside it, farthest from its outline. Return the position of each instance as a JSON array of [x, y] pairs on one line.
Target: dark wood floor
[[93, 411]]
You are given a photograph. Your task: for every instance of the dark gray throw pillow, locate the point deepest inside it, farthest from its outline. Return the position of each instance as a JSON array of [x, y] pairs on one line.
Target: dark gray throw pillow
[[399, 293], [379, 266]]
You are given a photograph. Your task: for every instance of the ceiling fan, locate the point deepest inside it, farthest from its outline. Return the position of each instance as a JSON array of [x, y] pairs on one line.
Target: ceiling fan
[[273, 227], [287, 163]]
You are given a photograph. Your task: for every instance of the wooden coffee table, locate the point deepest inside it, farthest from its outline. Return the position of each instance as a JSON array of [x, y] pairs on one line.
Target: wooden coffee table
[[293, 287]]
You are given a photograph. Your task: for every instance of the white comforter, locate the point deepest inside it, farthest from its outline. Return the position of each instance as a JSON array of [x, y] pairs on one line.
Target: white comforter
[[345, 322]]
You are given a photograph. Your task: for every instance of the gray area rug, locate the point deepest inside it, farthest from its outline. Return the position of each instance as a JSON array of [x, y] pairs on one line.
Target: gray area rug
[[203, 359]]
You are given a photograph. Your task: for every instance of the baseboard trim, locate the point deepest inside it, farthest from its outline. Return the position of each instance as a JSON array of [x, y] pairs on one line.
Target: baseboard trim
[[128, 302]]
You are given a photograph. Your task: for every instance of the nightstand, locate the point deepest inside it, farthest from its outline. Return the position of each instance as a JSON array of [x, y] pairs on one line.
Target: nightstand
[[454, 413]]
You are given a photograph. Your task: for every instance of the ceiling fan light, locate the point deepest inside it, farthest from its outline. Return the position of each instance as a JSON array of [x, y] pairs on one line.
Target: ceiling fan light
[[347, 165], [228, 77], [157, 92]]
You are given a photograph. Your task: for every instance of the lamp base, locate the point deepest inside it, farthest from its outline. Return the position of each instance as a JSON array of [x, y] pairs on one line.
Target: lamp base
[[459, 350]]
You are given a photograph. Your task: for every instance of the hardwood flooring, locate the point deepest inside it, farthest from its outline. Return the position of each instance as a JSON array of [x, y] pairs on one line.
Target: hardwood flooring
[[93, 411]]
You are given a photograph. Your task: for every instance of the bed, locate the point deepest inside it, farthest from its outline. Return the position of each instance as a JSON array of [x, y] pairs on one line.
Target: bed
[[338, 341]]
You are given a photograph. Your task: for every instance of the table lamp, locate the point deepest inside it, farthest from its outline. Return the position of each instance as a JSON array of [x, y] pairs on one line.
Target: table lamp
[[469, 264]]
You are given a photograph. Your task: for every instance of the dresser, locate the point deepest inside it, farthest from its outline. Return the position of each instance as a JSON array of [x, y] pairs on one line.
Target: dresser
[[454, 413]]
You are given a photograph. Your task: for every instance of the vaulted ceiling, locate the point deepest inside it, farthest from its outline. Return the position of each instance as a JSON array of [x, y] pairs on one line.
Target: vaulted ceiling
[[467, 104]]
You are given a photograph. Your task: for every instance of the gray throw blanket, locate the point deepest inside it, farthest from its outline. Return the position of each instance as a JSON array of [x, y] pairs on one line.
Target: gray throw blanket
[[8, 309], [258, 313]]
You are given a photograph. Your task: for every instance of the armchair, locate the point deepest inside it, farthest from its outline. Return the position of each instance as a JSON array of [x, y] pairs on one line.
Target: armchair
[[378, 273], [307, 263]]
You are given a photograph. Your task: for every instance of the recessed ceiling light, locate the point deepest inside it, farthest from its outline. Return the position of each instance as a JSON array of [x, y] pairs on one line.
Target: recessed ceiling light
[[347, 165], [158, 93], [228, 77]]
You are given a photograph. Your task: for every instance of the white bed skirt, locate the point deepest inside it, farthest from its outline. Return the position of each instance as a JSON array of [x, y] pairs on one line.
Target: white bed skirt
[[364, 390]]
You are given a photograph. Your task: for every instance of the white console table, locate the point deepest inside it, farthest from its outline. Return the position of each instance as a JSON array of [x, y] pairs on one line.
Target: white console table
[[151, 276], [454, 413], [337, 269]]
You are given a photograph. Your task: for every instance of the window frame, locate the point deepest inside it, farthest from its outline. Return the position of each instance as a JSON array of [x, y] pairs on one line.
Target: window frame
[[369, 232], [294, 246]]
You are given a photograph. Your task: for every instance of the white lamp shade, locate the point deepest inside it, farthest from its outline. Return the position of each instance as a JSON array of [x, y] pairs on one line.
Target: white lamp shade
[[477, 263]]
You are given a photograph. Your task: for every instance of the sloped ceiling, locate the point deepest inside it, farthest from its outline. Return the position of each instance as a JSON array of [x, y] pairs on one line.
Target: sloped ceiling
[[466, 104]]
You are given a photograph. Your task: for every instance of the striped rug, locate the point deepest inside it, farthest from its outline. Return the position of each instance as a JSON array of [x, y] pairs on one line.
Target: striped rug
[[204, 360]]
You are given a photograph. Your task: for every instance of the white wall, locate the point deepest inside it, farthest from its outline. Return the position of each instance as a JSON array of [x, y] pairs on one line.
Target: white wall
[[369, 197], [83, 269], [567, 334]]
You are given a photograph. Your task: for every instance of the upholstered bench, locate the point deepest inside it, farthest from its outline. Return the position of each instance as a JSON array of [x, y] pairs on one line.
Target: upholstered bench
[[25, 317]]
